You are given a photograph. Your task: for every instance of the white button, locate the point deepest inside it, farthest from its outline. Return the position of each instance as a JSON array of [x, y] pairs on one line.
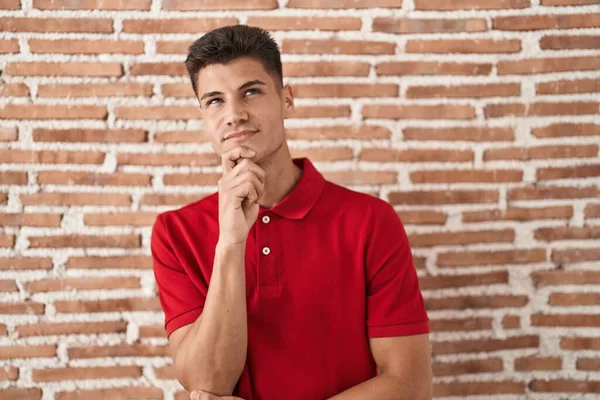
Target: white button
[[266, 219], [266, 251]]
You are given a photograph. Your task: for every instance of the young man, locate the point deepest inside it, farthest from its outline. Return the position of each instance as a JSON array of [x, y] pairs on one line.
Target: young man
[[282, 285]]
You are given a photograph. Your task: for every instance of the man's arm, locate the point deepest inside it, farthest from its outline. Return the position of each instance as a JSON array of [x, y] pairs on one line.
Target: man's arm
[[404, 363], [210, 353]]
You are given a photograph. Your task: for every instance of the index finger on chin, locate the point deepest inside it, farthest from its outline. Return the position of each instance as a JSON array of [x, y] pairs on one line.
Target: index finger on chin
[[230, 158]]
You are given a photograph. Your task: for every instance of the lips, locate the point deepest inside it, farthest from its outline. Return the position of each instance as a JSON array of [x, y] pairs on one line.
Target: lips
[[239, 134]]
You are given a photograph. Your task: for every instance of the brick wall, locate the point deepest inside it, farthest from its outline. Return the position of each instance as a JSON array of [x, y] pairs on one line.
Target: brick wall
[[479, 120]]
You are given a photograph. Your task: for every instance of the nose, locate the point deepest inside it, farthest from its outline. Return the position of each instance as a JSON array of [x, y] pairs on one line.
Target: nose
[[236, 113]]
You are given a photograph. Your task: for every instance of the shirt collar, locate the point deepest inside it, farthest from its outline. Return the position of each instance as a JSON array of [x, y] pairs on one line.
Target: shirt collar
[[303, 196]]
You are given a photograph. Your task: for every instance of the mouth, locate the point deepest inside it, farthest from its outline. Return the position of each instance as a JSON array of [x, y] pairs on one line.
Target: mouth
[[239, 136]]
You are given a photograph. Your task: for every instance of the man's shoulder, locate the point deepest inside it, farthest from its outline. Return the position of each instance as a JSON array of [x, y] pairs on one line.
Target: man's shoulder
[[345, 198]]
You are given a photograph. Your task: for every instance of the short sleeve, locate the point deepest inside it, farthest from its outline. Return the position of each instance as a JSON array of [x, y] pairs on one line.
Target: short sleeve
[[395, 305], [182, 302]]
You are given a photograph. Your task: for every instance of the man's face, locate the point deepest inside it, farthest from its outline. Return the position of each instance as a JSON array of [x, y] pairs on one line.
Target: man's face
[[241, 99]]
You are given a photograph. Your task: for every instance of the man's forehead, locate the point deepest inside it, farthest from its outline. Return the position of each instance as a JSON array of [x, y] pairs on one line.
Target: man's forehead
[[221, 77]]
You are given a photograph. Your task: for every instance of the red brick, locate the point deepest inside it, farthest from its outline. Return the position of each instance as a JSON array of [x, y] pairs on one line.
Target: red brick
[[119, 350], [445, 389], [461, 324], [129, 393], [436, 197], [592, 211], [467, 367], [306, 23], [428, 25], [567, 130], [181, 137], [458, 281], [344, 4], [574, 172], [8, 134], [326, 68], [569, 86], [171, 199], [120, 219], [92, 179], [553, 21], [77, 373], [7, 240], [3, 198], [475, 134], [188, 179], [540, 109], [588, 364], [28, 351], [511, 322], [9, 46], [218, 5], [9, 373], [565, 385], [84, 283], [567, 233], [463, 46], [548, 65], [490, 257], [441, 5], [157, 330], [90, 135], [356, 132], [580, 343], [51, 157], [167, 372], [8, 285], [464, 91], [574, 299], [562, 277], [13, 178], [176, 25], [563, 42], [567, 2], [119, 89], [85, 241], [362, 177], [76, 199], [157, 112], [571, 256], [422, 217], [466, 175], [566, 320], [170, 69], [64, 69], [55, 111], [108, 305], [485, 345], [28, 219], [168, 159], [25, 263], [552, 192], [71, 328], [142, 5], [419, 68], [22, 393], [173, 46], [81, 46], [14, 90], [335, 46], [10, 5], [450, 238], [181, 90], [334, 111], [519, 214], [112, 262], [441, 111], [60, 25], [336, 90], [475, 302], [415, 155], [534, 363], [540, 152], [319, 154]]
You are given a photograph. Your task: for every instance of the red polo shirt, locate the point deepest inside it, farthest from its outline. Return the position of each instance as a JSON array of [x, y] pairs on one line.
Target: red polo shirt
[[326, 269]]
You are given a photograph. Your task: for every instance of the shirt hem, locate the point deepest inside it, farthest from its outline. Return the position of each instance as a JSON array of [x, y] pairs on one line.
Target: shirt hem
[[188, 317]]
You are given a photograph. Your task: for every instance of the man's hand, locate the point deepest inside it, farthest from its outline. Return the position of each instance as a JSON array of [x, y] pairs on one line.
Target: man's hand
[[202, 395]]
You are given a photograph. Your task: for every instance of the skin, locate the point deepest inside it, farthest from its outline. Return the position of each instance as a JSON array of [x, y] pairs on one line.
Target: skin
[[242, 95]]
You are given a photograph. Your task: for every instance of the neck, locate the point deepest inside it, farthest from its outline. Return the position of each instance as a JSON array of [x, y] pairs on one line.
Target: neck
[[282, 176]]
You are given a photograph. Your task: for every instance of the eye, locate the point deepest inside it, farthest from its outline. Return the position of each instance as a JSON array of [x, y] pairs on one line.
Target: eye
[[211, 101], [253, 91]]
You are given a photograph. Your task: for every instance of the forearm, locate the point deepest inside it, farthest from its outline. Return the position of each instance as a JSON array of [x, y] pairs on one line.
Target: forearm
[[213, 353], [384, 387]]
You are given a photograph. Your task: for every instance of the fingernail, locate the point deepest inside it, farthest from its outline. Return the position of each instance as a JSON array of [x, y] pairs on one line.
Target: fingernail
[[194, 395]]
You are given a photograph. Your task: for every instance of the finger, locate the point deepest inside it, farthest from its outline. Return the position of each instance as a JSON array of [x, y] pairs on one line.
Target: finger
[[246, 177], [246, 191], [194, 395], [230, 158], [247, 165]]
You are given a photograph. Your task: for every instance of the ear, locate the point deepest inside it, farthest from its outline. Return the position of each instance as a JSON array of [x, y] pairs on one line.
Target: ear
[[287, 96]]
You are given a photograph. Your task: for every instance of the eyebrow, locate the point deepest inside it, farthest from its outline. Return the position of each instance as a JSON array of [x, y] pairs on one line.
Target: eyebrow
[[243, 86]]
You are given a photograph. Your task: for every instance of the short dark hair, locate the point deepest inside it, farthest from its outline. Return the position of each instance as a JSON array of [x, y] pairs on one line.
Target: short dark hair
[[227, 43]]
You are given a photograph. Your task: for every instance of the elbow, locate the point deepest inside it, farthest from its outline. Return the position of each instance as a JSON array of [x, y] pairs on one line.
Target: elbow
[[208, 378]]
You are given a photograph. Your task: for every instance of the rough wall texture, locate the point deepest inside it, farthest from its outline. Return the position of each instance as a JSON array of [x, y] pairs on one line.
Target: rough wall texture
[[479, 120]]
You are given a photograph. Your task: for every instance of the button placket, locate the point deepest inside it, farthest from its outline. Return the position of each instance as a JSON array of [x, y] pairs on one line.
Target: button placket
[[267, 266]]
